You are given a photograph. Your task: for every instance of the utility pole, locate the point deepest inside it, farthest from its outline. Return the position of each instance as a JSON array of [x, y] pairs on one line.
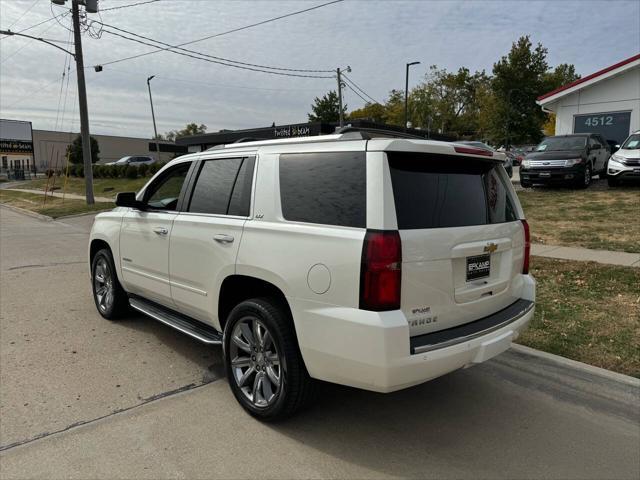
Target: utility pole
[[153, 117], [340, 85], [406, 96], [340, 97], [82, 98]]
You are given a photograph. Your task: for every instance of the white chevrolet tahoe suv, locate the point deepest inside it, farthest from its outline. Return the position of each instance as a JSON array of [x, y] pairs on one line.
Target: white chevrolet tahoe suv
[[378, 263]]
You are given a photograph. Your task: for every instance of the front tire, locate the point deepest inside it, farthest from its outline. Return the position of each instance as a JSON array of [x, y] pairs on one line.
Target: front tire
[[585, 181], [109, 296], [264, 366]]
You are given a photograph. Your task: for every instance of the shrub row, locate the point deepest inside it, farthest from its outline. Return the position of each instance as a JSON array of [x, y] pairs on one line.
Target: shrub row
[[112, 171]]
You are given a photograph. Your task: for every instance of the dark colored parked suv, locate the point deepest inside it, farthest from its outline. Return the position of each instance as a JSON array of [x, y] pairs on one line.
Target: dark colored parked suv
[[566, 159]]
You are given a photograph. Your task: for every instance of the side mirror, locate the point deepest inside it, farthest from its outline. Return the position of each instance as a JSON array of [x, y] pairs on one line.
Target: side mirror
[[128, 199], [596, 147]]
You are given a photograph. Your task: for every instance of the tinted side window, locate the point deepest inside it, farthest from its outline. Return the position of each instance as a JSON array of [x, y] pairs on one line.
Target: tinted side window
[[240, 202], [213, 187], [435, 191], [324, 188]]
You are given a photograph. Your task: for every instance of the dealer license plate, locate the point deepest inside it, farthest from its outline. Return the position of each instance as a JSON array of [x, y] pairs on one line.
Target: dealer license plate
[[478, 266]]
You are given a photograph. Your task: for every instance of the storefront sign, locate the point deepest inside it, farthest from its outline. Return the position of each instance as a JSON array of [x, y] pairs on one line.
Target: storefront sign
[[16, 146], [292, 131]]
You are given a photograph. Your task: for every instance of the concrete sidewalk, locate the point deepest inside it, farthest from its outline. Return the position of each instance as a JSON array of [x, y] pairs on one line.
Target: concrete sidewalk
[[586, 255], [71, 196]]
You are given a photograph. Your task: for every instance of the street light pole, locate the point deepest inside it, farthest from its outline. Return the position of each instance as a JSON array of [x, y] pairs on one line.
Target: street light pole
[[153, 116], [406, 96], [82, 98]]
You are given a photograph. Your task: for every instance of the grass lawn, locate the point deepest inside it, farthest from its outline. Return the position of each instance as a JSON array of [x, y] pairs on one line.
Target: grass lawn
[[599, 219], [53, 207], [102, 187], [587, 312]]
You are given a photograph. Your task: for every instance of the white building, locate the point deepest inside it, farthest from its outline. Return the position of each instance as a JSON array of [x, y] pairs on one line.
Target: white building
[[605, 102]]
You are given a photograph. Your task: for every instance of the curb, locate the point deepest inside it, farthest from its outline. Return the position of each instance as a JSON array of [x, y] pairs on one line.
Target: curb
[[566, 362], [75, 215], [27, 212]]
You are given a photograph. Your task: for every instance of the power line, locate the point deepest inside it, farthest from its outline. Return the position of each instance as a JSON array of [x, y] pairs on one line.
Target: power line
[[130, 5], [356, 92], [27, 44], [222, 59], [23, 14], [354, 84], [286, 74], [40, 23], [210, 84], [224, 33]]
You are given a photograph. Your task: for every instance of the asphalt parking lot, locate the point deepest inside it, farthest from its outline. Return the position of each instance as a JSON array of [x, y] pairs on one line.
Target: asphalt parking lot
[[81, 397]]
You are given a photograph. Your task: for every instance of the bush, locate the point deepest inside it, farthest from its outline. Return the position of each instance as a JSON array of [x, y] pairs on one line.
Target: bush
[[72, 171], [131, 171], [143, 169], [97, 171], [49, 172], [154, 167], [80, 171]]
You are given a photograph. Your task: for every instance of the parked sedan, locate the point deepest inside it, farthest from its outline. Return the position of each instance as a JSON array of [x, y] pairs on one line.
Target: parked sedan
[[624, 164], [135, 160]]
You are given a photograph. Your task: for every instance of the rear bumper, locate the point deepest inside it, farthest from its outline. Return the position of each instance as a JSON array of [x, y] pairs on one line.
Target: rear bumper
[[373, 350], [552, 175]]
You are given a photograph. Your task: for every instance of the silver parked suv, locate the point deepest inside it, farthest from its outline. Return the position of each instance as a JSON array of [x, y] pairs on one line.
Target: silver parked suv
[[378, 263]]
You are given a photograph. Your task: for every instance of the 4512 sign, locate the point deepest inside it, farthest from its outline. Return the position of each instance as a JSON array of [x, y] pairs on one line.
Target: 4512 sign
[[612, 126]]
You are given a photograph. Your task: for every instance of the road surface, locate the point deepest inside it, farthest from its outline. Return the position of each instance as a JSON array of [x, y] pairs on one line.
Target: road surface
[[82, 397]]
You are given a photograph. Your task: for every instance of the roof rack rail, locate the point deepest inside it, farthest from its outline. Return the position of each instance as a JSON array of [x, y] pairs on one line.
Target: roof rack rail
[[248, 139], [365, 133]]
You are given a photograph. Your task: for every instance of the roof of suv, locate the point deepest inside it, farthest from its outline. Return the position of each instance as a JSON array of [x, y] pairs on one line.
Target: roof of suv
[[353, 140]]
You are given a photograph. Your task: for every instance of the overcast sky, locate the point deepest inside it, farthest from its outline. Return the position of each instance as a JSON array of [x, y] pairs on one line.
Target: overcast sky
[[375, 38]]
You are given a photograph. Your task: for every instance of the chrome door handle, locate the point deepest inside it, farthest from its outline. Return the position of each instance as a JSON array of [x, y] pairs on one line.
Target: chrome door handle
[[160, 230], [222, 238]]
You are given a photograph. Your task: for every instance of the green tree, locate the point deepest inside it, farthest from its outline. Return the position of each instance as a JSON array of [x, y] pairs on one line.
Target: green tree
[[448, 101], [327, 108], [371, 111], [518, 79], [75, 150], [189, 129]]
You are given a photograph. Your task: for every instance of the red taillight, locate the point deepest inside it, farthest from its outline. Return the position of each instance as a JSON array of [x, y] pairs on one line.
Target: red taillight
[[527, 246], [474, 151], [381, 272]]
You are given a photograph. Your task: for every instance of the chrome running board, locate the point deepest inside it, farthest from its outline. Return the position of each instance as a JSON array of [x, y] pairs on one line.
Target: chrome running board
[[198, 330]]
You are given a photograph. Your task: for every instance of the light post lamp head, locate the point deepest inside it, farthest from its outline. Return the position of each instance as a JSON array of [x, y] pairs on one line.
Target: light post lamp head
[[150, 78], [413, 63]]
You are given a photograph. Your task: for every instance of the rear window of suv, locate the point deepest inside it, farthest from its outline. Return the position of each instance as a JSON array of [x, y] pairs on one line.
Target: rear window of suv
[[324, 188], [436, 191]]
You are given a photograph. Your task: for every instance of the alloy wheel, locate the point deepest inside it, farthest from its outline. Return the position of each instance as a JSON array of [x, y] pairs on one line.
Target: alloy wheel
[[587, 175], [103, 285], [255, 362]]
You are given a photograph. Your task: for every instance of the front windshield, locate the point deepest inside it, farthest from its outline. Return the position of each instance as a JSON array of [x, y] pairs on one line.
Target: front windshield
[[123, 161], [562, 143], [632, 143]]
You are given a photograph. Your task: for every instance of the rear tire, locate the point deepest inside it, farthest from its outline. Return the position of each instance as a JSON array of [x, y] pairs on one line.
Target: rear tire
[[110, 298], [265, 369]]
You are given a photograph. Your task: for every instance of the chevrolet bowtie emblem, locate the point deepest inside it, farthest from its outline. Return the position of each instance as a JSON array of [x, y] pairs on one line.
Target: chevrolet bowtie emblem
[[490, 247]]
